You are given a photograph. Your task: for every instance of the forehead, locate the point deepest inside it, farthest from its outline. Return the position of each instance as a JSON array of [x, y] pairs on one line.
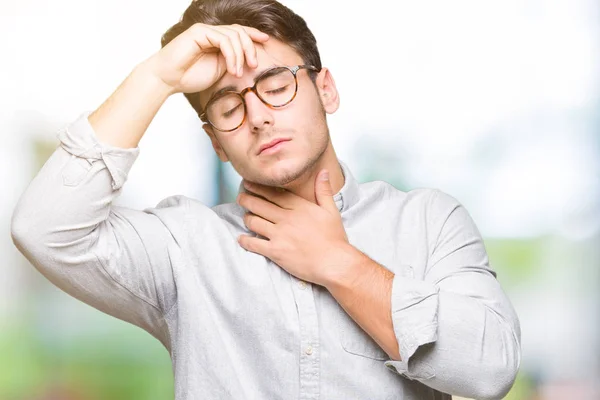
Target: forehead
[[276, 52], [272, 52]]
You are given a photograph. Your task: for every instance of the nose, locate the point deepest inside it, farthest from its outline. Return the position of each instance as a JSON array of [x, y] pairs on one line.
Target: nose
[[258, 114]]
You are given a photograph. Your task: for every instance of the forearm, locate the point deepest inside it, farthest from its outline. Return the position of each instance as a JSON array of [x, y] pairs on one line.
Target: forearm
[[476, 352], [73, 191], [123, 118], [106, 256], [364, 291]]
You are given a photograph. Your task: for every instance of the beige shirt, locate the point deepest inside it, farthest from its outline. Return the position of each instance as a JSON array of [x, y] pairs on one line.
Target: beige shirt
[[238, 326]]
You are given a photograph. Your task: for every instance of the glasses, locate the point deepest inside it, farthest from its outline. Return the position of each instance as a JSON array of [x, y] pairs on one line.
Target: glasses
[[276, 87]]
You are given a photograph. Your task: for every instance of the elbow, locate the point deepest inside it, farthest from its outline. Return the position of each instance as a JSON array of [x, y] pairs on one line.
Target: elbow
[[501, 362], [27, 233], [496, 380], [496, 385], [20, 231], [25, 237]]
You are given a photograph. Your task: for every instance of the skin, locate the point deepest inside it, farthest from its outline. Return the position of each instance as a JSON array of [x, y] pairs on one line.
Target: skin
[[303, 227], [291, 192], [310, 150]]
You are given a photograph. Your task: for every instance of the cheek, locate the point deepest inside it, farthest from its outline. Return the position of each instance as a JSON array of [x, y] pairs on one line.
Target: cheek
[[236, 147], [307, 113]]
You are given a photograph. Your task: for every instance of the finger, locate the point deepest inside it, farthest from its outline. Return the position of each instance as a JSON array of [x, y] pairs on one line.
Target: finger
[[248, 44], [236, 42], [255, 245], [223, 43], [255, 34], [258, 225], [261, 207]]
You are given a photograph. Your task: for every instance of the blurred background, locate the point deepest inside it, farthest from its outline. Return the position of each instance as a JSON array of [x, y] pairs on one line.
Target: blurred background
[[494, 102]]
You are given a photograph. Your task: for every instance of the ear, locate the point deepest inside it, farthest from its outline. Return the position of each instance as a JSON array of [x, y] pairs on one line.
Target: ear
[[215, 142], [327, 91]]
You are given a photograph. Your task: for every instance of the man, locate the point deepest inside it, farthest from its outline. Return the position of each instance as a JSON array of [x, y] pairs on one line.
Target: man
[[311, 285]]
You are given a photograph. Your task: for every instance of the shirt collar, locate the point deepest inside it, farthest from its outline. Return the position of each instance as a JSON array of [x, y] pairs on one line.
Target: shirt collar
[[347, 196]]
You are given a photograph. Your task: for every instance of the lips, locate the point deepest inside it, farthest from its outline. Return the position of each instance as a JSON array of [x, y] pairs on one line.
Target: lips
[[271, 144]]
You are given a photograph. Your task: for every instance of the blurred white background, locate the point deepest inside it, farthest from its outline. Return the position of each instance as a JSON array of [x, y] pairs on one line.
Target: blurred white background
[[496, 103]]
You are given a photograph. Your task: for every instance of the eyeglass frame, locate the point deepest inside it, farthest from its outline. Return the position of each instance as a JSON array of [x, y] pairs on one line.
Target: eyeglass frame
[[294, 70]]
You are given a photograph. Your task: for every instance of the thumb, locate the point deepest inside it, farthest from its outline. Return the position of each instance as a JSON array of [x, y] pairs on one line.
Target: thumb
[[324, 191]]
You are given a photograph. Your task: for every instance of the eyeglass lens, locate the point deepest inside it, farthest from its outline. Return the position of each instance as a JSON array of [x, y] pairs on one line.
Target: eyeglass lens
[[276, 87]]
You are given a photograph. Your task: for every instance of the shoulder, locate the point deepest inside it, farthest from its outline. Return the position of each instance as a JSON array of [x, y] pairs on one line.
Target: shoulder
[[431, 204], [185, 216], [231, 213], [191, 208], [182, 209], [422, 197]]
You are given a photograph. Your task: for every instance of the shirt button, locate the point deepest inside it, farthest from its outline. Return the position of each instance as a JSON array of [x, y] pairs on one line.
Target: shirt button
[[308, 350], [302, 284]]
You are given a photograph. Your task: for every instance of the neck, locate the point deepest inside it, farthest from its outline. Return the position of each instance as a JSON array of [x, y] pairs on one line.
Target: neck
[[305, 185]]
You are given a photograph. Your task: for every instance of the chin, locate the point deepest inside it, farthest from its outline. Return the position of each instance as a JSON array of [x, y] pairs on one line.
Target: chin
[[281, 172]]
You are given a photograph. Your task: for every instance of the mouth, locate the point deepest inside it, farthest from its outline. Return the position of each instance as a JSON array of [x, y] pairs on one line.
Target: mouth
[[272, 146]]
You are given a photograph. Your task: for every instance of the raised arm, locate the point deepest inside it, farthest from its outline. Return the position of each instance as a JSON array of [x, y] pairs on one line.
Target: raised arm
[[114, 258]]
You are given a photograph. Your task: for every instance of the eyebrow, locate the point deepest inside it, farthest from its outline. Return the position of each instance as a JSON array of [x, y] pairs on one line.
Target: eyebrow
[[234, 87]]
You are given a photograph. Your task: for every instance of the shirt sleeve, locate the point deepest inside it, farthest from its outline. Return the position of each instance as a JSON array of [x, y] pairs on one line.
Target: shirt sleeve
[[113, 258], [456, 329]]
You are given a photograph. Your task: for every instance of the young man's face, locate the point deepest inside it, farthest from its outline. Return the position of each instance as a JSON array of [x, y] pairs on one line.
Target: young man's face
[[302, 122]]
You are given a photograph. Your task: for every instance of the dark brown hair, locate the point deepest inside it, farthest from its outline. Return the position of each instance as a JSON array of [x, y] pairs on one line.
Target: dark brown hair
[[268, 16]]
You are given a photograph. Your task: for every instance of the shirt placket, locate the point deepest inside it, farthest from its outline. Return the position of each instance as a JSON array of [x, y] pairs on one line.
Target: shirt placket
[[309, 339]]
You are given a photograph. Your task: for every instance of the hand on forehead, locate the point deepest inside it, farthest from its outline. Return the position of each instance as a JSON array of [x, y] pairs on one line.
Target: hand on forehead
[[274, 52], [268, 54]]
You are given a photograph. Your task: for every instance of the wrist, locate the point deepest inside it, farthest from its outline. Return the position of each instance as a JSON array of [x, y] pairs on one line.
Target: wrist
[[342, 273], [147, 72]]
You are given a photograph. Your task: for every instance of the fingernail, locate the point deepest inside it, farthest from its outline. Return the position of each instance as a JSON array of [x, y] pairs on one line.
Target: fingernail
[[325, 176]]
